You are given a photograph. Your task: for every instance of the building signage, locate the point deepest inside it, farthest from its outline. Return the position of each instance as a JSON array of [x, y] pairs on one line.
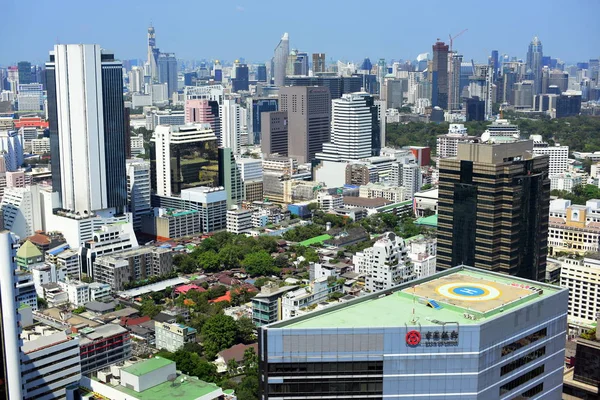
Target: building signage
[[432, 338]]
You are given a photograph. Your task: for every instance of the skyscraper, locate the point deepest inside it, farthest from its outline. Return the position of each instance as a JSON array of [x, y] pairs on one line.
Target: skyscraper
[[534, 64], [354, 124], [440, 75], [309, 117], [167, 71], [261, 73], [25, 76], [318, 63], [454, 89], [241, 79], [280, 60], [152, 55], [493, 209], [230, 177], [230, 125], [86, 117]]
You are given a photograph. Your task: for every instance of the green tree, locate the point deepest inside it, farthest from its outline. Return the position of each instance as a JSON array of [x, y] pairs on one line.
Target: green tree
[[79, 310], [42, 303], [232, 367], [149, 308], [185, 263], [230, 255], [259, 263], [248, 388], [209, 261], [245, 330], [426, 186], [218, 333], [260, 282]]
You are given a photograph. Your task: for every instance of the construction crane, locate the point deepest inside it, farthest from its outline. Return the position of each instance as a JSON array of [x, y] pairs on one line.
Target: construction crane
[[455, 36]]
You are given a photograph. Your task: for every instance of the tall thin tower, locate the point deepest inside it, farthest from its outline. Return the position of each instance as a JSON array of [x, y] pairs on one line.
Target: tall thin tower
[[534, 63], [280, 60], [440, 75], [87, 128], [152, 54]]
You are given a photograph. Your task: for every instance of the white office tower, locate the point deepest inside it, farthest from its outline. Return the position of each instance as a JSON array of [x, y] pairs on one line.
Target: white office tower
[[582, 278], [351, 129], [559, 155], [385, 264], [280, 59], [230, 125], [447, 145], [138, 190], [21, 210], [412, 179], [501, 128], [136, 80], [11, 342]]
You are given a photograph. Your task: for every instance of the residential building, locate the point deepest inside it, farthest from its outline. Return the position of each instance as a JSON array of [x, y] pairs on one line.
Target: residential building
[[412, 179], [137, 145], [182, 157], [572, 231], [439, 325], [138, 190], [565, 181], [493, 209], [121, 268], [239, 221], [274, 133], [67, 258], [103, 346], [40, 146], [318, 63], [329, 202], [380, 190], [171, 223], [447, 145], [422, 253], [385, 264], [85, 94], [279, 63], [78, 292], [559, 155], [30, 98], [426, 202], [266, 306], [297, 302], [173, 337], [251, 172], [45, 273], [309, 120], [582, 277], [21, 210]]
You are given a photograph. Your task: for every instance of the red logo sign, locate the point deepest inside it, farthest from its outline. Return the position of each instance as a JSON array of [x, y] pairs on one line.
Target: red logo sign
[[413, 338]]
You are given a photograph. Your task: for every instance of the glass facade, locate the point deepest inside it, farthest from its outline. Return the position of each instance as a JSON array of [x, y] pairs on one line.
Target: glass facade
[[587, 365]]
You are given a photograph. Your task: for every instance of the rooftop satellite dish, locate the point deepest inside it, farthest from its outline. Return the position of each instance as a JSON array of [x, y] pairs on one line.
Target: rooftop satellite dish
[[485, 136]]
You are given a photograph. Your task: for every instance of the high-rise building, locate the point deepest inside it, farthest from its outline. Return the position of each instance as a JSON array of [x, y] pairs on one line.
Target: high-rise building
[[231, 128], [261, 73], [240, 80], [153, 53], [523, 94], [11, 147], [167, 72], [21, 210], [301, 64], [309, 117], [493, 209], [442, 336], [439, 96], [558, 155], [318, 63], [25, 76], [274, 133], [138, 190], [412, 179], [86, 115], [454, 88], [495, 64], [354, 123], [255, 107], [30, 97], [447, 145], [534, 64], [204, 112], [280, 59], [183, 157], [136, 80], [385, 264], [230, 177]]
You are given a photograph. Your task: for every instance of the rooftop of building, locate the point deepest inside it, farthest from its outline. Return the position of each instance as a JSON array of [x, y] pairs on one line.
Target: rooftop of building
[[100, 332], [314, 240], [147, 366], [364, 202], [28, 250], [430, 221], [44, 342], [462, 295]]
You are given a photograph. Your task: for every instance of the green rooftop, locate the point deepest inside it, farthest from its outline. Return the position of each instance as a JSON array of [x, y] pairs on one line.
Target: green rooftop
[[466, 295], [182, 213], [28, 250], [191, 388], [316, 239], [147, 366], [396, 205], [431, 221]]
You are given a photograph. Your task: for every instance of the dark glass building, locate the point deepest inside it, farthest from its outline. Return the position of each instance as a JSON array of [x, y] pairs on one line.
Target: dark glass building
[[493, 209], [337, 85], [25, 76], [568, 105], [475, 109], [167, 71], [261, 73], [440, 72], [258, 107], [241, 80]]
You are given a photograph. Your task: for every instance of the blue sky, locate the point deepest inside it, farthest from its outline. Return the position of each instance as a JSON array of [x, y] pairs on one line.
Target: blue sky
[[347, 30]]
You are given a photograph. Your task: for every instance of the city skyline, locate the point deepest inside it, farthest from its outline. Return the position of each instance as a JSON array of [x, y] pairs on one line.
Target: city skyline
[[383, 40]]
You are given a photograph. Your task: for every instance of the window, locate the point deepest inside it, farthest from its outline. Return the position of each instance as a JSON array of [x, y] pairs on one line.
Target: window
[[527, 340], [526, 377], [519, 362]]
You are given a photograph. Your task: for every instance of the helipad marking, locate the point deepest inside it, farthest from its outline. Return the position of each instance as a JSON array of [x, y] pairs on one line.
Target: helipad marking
[[467, 291]]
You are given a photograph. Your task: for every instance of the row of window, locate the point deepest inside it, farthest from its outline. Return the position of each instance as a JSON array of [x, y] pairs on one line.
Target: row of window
[[326, 368], [519, 362], [514, 346], [329, 386], [526, 377]]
